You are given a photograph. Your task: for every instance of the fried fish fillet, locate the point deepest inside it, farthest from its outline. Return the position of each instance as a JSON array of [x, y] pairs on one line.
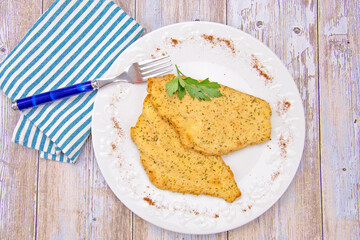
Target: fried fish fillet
[[217, 127], [172, 167]]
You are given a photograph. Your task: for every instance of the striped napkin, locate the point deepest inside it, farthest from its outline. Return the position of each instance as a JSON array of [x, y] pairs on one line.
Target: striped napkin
[[72, 42]]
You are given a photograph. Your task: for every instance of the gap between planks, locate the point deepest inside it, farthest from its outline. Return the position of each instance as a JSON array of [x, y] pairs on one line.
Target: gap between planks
[[319, 115]]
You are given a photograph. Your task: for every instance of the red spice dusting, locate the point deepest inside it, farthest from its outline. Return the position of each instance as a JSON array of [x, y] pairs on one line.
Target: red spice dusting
[[208, 37], [248, 208], [228, 44], [116, 98], [118, 157], [160, 206], [282, 107], [116, 124], [174, 42], [158, 53], [256, 64], [119, 130], [150, 201], [220, 41], [283, 145], [113, 146], [275, 175], [268, 146]]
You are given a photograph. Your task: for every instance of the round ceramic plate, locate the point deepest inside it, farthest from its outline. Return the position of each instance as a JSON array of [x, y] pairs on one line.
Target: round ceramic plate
[[263, 172]]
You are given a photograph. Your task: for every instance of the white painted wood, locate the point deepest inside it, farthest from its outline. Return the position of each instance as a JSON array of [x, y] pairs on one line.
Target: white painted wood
[[153, 14], [339, 61], [76, 203], [18, 165]]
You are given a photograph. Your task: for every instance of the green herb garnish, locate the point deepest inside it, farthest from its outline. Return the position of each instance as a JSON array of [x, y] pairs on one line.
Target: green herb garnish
[[202, 90]]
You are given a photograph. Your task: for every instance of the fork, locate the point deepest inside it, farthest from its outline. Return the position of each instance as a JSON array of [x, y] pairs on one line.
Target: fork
[[137, 72]]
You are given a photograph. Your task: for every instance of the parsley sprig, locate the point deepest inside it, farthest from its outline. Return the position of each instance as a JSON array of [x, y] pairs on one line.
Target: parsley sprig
[[202, 90]]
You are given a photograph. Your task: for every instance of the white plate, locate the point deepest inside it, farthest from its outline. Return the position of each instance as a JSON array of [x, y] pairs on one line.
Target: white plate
[[263, 172]]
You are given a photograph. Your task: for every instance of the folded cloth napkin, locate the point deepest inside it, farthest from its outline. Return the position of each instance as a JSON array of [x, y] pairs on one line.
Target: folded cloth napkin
[[72, 42]]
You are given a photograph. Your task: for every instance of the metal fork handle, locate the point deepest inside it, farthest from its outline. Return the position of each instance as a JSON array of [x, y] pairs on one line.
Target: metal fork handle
[[99, 83], [53, 95]]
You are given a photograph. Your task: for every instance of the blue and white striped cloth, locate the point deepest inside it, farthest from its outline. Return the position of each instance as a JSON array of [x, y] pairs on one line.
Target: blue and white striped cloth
[[72, 42]]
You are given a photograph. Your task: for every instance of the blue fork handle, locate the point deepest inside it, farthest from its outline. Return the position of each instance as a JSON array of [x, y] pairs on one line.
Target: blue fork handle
[[51, 96]]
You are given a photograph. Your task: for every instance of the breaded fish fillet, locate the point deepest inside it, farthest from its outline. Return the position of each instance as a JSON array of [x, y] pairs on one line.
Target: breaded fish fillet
[[217, 127], [172, 167]]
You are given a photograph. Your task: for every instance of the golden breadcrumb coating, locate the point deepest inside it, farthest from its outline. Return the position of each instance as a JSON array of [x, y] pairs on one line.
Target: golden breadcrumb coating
[[172, 167], [217, 127]]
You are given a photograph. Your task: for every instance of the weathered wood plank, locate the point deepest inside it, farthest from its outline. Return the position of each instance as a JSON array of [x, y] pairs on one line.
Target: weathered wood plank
[[75, 201], [128, 6], [340, 117], [18, 165], [289, 28], [153, 14]]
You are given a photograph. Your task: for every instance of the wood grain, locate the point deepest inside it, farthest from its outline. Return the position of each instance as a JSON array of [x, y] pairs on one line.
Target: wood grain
[[18, 165], [74, 200], [76, 203], [340, 115], [289, 29], [129, 6], [153, 14]]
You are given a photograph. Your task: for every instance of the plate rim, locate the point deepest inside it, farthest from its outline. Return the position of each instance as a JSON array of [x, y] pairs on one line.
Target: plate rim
[[285, 188]]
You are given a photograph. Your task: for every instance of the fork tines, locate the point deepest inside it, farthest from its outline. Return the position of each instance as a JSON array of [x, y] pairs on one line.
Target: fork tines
[[155, 67]]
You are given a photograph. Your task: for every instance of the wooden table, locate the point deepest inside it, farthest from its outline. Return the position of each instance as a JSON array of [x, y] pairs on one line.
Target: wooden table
[[318, 41]]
